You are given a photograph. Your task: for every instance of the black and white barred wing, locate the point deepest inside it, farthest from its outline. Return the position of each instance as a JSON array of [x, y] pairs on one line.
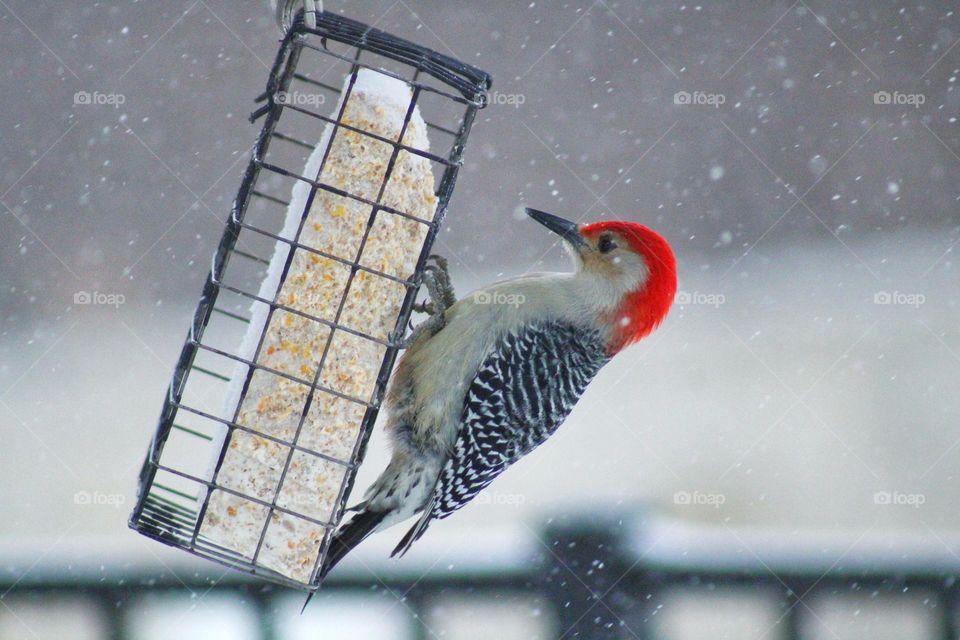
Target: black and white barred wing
[[522, 393]]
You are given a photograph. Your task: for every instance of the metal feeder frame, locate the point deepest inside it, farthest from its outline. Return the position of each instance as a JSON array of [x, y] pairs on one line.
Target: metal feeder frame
[[173, 516]]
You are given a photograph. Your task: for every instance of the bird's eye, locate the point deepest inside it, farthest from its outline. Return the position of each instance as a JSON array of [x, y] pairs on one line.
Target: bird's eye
[[606, 244]]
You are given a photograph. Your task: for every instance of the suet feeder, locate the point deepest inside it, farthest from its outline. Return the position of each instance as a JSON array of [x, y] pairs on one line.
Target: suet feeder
[[311, 289]]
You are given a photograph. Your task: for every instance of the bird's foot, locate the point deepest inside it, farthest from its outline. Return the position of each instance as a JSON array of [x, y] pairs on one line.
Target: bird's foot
[[436, 279]]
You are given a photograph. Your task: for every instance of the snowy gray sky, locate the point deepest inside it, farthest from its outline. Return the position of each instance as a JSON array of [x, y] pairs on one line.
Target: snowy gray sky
[[130, 197]]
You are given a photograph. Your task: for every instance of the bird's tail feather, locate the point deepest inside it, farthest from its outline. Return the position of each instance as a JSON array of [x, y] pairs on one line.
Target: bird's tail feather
[[346, 538], [349, 536], [415, 532]]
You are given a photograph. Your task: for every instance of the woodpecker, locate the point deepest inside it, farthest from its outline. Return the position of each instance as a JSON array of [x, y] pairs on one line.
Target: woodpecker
[[490, 377]]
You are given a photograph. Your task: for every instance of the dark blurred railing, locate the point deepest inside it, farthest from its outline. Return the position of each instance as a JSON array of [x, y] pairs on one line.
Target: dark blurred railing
[[611, 574], [598, 577]]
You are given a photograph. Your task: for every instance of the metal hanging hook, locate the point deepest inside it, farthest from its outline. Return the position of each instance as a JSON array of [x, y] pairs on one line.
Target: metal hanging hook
[[286, 10]]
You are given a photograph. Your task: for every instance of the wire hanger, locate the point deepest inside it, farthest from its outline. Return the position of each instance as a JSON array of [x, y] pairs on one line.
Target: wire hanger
[[286, 11]]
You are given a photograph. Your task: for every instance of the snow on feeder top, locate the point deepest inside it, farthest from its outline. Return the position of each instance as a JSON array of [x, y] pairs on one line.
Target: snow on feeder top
[[311, 288]]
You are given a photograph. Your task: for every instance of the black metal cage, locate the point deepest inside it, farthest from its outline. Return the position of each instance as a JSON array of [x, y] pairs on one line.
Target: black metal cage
[[174, 489]]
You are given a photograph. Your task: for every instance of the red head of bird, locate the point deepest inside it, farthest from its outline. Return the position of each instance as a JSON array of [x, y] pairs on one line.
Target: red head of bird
[[631, 268]]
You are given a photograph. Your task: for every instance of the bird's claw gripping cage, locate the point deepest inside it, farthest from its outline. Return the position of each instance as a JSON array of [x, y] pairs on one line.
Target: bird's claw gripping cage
[[183, 479]]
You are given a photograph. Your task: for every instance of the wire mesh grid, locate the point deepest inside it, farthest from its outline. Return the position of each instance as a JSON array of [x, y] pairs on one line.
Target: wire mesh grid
[[179, 477]]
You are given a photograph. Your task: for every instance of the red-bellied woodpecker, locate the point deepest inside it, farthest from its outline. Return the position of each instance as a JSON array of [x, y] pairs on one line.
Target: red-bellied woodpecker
[[494, 374]]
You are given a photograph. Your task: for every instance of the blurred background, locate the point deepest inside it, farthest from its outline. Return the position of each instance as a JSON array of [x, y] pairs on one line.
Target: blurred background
[[803, 395]]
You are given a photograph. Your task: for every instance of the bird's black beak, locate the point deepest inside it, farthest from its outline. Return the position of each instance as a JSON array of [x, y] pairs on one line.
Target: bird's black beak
[[567, 230]]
